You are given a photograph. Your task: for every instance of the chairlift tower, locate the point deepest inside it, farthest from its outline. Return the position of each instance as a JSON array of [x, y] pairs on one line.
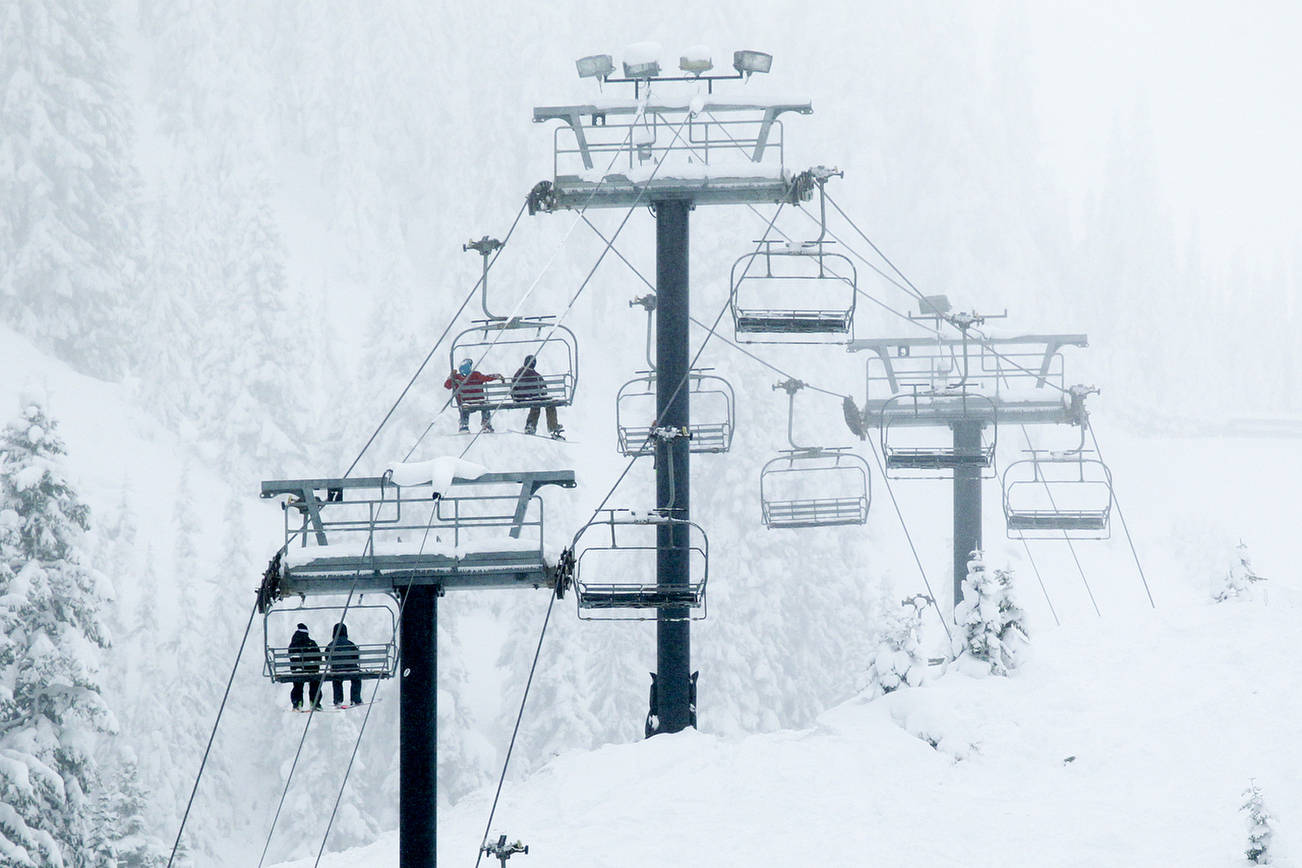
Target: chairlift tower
[[411, 542], [972, 385], [671, 147]]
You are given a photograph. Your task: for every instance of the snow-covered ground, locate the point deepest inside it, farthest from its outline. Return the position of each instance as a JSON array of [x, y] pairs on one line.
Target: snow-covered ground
[[1124, 742]]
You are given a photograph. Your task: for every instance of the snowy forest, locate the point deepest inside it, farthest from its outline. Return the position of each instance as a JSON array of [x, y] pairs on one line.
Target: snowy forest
[[231, 233]]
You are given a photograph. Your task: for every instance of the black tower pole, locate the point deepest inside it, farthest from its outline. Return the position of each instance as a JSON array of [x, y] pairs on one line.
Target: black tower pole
[[418, 729], [673, 629], [967, 500]]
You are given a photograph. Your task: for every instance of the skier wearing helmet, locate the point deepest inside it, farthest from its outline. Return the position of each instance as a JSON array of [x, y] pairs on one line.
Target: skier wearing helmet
[[529, 387], [467, 386]]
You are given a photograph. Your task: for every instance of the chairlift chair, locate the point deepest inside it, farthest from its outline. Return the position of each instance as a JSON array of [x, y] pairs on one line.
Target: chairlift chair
[[714, 411], [820, 286], [1058, 494], [823, 284], [933, 409], [499, 346], [813, 486], [375, 659], [614, 568]]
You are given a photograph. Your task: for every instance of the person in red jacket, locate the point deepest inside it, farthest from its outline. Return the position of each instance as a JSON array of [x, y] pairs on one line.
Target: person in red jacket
[[467, 386]]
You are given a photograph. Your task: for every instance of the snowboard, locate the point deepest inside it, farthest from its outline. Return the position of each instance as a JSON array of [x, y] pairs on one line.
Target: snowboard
[[541, 435]]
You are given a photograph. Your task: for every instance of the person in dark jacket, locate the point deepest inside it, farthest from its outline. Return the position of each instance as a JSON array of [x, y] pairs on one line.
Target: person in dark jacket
[[467, 386], [304, 657], [341, 656], [528, 387]]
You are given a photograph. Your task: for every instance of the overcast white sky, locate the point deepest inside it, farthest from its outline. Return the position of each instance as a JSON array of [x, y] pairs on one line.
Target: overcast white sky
[[1219, 84]]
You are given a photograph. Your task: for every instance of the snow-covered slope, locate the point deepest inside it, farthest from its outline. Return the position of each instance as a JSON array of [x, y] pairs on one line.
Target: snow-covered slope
[[1124, 742]]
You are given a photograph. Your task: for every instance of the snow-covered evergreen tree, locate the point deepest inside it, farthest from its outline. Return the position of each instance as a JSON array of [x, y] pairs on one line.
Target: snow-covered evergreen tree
[[67, 234], [51, 633], [898, 660], [1261, 826], [134, 844], [1237, 581], [991, 626]]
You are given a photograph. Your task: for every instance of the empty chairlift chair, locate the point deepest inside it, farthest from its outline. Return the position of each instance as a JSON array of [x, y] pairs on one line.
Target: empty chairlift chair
[[813, 486], [941, 413], [373, 628], [792, 293], [1058, 494], [613, 567], [713, 403]]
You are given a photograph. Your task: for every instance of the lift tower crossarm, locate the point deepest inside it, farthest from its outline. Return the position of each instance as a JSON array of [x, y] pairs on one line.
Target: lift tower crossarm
[[573, 115]]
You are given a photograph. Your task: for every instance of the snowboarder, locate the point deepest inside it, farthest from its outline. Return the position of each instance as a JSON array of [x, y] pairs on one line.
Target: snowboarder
[[467, 386], [341, 656], [528, 387], [305, 657]]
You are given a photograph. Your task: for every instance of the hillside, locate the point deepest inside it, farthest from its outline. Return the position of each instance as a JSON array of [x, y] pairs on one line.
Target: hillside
[[1124, 742]]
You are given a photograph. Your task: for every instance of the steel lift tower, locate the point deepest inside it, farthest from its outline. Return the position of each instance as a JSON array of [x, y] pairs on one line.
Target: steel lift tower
[[963, 390], [674, 146], [411, 541]]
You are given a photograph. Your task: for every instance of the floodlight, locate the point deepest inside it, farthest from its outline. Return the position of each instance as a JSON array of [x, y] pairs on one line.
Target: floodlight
[[696, 60], [934, 305], [645, 69], [598, 66], [748, 62]]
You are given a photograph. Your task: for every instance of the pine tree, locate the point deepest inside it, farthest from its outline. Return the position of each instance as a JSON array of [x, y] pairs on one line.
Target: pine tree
[[67, 229], [1261, 826], [899, 660], [50, 621], [1238, 579], [133, 844], [991, 626]]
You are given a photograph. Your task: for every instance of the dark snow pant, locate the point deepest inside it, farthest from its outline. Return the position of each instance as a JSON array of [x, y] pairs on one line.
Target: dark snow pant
[[485, 417], [356, 692], [531, 421], [296, 693]]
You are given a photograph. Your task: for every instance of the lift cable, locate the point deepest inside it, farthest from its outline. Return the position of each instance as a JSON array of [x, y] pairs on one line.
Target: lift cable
[[520, 301], [871, 265], [904, 525], [435, 347], [698, 323], [592, 271], [1125, 527], [606, 498], [312, 709], [518, 718], [204, 762], [916, 323], [1070, 545], [595, 512], [984, 340], [925, 581], [357, 743]]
